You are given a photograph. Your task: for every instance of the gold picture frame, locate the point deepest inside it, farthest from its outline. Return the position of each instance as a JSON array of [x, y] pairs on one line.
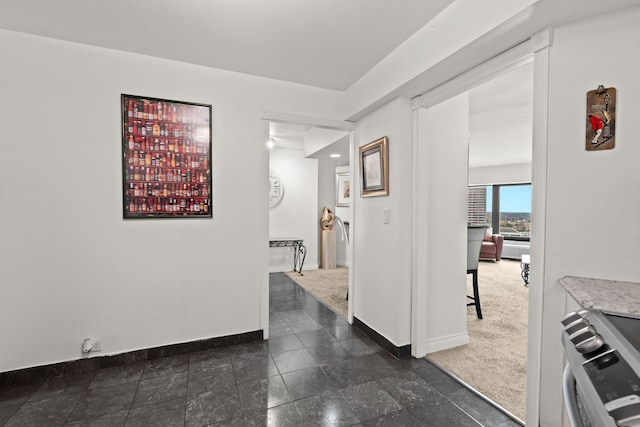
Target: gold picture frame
[[374, 168]]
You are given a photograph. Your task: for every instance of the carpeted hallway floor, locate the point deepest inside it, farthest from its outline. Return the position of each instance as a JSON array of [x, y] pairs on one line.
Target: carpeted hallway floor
[[494, 362]]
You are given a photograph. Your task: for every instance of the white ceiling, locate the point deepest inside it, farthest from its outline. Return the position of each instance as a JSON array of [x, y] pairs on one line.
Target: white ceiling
[[327, 43]]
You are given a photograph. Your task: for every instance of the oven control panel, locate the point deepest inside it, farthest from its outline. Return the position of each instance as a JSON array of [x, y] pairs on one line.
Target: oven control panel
[[601, 370]]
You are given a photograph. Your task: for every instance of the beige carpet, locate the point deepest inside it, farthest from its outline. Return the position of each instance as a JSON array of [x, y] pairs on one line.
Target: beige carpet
[[329, 286], [494, 362]]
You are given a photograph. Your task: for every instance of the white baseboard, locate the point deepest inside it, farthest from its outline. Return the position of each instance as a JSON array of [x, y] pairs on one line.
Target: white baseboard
[[447, 342]]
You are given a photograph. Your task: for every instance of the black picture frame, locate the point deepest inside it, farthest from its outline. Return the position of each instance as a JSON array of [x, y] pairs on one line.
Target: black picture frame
[[166, 158]]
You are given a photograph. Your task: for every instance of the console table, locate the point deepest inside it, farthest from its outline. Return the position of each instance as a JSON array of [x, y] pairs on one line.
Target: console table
[[299, 250]]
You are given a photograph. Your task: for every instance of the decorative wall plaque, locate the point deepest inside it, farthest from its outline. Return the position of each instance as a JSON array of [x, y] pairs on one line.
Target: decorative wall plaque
[[276, 189], [601, 119]]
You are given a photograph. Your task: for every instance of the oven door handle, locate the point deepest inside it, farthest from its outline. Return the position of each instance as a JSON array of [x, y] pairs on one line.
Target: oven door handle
[[570, 399]]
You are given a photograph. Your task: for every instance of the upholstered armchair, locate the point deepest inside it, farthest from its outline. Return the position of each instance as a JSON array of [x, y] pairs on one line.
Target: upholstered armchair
[[492, 246]]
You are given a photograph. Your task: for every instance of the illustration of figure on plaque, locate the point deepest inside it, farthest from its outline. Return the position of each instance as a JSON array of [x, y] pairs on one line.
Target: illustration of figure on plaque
[[601, 109]]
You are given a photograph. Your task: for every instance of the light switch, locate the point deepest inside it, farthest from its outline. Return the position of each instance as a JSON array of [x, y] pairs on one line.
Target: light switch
[[386, 215]]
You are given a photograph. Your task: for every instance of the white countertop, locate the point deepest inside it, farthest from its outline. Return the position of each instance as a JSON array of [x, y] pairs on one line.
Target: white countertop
[[601, 294]]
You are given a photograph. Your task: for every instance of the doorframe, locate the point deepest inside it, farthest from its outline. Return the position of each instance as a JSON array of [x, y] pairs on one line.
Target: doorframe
[[536, 49], [267, 117]]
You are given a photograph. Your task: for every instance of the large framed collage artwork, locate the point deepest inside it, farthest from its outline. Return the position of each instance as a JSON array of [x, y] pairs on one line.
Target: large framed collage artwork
[[166, 155]]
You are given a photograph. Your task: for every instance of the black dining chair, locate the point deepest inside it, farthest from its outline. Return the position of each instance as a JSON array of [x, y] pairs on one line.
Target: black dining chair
[[475, 234]]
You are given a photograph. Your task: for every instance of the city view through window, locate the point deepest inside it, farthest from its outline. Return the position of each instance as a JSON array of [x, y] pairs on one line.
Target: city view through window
[[513, 208]]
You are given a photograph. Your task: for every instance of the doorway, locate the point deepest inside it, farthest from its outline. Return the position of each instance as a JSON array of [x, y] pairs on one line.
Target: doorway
[[426, 285], [499, 196], [307, 155]]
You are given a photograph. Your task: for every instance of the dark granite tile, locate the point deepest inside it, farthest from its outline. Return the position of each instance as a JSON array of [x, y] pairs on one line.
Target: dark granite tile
[[280, 330], [120, 374], [309, 382], [285, 306], [254, 368], [34, 375], [82, 366], [263, 394], [112, 419], [511, 423], [232, 422], [395, 419], [408, 388], [104, 400], [165, 366], [169, 413], [360, 346], [294, 360], [221, 377], [17, 394], [370, 400], [326, 409], [438, 379], [304, 325], [6, 412], [160, 389], [132, 357], [329, 353], [213, 406], [50, 412], [316, 337], [65, 384], [331, 320], [168, 350], [347, 332], [477, 407], [284, 343], [209, 363], [213, 354], [413, 363], [251, 350], [280, 416], [424, 402], [349, 372], [381, 365]]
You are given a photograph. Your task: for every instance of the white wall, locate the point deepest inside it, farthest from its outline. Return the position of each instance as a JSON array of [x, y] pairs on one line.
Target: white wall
[[593, 208], [295, 215], [382, 259], [71, 266], [445, 178]]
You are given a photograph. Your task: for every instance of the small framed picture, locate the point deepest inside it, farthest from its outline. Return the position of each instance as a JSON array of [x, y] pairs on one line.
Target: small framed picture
[[374, 168], [343, 189]]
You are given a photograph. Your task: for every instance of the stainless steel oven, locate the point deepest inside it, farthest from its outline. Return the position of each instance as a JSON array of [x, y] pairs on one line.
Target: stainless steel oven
[[601, 382]]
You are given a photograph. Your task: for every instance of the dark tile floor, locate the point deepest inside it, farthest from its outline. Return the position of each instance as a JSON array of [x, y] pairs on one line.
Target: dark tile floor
[[316, 370]]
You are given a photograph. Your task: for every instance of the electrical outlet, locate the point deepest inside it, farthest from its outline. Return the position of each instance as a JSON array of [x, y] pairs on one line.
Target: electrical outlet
[[97, 346]]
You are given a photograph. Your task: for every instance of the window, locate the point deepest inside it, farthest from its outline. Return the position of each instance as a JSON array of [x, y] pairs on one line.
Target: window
[[511, 203]]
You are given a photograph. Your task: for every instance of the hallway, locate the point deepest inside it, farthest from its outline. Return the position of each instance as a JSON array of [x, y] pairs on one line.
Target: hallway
[[316, 370]]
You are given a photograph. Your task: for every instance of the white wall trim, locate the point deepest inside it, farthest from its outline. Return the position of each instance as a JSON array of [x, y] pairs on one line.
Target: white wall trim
[[264, 262], [443, 343], [495, 67], [419, 299], [354, 163], [542, 43]]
